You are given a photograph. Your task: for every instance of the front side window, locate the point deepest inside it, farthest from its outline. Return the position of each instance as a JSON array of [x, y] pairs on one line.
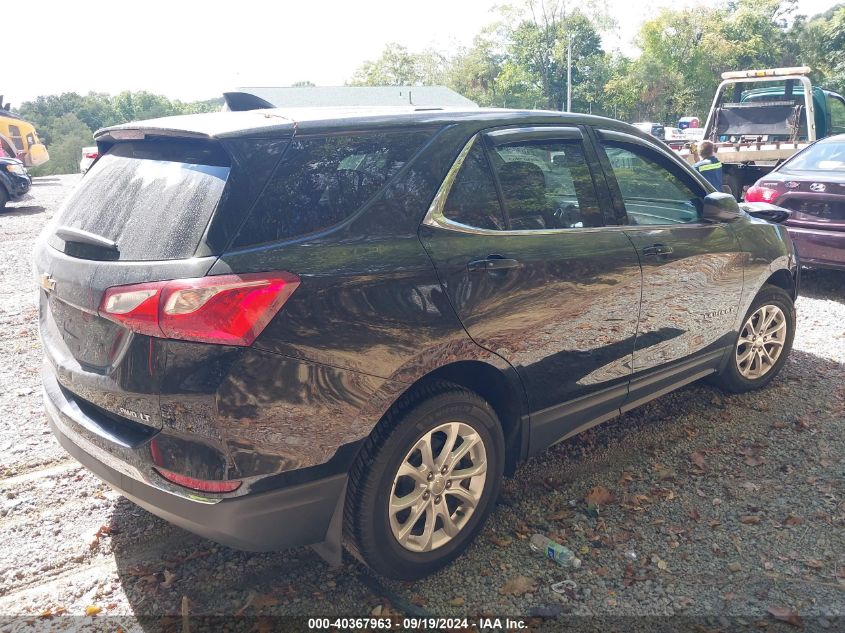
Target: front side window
[[652, 191], [546, 184], [472, 200], [324, 180], [837, 115]]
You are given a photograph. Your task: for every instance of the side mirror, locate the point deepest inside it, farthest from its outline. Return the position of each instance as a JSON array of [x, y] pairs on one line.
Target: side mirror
[[766, 211], [720, 207]]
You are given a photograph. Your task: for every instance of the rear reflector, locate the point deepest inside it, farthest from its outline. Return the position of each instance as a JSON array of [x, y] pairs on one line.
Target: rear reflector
[[225, 309], [201, 485]]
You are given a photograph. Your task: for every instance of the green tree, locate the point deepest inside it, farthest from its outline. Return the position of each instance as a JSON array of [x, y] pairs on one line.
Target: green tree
[[70, 136], [397, 66]]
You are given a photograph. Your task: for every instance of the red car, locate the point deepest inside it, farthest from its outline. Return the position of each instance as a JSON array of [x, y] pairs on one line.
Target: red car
[[811, 184]]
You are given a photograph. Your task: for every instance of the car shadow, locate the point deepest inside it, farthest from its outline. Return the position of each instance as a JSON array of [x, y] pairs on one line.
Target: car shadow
[[822, 283], [26, 210], [165, 571]]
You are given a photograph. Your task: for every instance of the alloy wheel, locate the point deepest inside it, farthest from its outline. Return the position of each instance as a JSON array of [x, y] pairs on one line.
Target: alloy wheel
[[761, 342], [437, 487]]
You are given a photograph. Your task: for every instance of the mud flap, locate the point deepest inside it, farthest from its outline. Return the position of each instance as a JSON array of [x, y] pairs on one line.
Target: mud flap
[[331, 549]]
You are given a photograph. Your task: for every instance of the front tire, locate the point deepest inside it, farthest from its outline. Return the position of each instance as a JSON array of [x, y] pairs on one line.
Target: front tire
[[762, 344], [425, 482], [4, 197]]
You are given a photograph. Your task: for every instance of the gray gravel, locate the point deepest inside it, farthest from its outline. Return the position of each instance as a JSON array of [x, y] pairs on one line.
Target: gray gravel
[[722, 506]]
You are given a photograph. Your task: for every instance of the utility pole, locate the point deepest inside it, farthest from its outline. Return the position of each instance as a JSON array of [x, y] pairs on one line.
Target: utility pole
[[569, 73]]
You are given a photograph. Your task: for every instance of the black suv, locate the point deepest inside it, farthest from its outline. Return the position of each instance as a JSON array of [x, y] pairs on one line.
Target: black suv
[[280, 328]]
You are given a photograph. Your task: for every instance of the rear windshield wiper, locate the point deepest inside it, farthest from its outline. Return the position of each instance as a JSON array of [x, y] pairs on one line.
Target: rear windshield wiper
[[78, 236]]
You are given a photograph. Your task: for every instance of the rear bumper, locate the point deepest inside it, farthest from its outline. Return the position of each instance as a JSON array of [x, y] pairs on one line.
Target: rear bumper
[[821, 248], [286, 517]]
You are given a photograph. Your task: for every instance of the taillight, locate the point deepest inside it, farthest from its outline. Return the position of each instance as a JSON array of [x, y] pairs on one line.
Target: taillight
[[201, 485], [225, 309], [759, 193], [91, 155]]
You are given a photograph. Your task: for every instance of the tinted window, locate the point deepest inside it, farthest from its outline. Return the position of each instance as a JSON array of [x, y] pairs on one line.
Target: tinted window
[[651, 189], [321, 181], [153, 198], [473, 200], [546, 185]]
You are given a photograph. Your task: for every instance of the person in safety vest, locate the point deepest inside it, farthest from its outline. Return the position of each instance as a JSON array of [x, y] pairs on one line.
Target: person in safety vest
[[709, 166]]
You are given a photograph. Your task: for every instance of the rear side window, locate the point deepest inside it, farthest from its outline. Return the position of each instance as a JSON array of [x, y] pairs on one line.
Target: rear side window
[[546, 185], [153, 198], [322, 181], [473, 200]]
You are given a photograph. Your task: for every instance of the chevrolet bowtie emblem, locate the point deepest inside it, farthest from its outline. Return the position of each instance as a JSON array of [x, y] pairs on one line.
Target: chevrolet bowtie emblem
[[47, 282]]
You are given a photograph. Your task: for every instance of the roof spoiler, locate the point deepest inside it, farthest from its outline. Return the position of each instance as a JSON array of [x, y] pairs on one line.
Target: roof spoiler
[[243, 101]]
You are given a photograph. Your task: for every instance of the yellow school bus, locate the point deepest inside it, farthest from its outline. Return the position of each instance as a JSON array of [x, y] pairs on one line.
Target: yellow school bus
[[22, 138]]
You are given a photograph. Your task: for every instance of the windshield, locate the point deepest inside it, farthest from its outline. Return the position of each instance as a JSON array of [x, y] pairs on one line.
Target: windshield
[[825, 156]]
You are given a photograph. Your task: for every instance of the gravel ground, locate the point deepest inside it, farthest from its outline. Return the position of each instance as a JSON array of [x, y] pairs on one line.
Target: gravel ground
[[727, 510]]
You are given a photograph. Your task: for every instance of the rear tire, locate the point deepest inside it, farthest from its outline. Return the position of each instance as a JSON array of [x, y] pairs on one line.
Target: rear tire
[[409, 511], [763, 343]]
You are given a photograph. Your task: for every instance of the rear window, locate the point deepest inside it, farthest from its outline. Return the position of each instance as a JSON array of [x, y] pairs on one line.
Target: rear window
[[153, 198], [322, 181]]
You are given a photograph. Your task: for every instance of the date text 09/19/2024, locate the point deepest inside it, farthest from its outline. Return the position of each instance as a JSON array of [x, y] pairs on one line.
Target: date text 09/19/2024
[[421, 623]]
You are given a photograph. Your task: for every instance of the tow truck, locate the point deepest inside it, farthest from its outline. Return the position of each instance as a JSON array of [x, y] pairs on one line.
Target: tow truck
[[756, 126]]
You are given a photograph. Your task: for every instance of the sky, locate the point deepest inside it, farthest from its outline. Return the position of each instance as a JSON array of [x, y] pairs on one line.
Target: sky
[[188, 49]]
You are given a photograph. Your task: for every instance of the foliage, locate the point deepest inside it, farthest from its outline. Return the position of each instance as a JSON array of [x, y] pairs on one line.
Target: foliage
[[66, 122], [399, 67], [520, 59]]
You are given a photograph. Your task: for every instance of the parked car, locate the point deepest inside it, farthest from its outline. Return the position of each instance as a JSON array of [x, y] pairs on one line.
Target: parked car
[[344, 326], [811, 184], [655, 129], [89, 155], [15, 182]]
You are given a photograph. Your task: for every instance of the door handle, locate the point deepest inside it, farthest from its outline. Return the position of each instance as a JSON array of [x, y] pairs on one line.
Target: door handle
[[493, 263], [657, 250]]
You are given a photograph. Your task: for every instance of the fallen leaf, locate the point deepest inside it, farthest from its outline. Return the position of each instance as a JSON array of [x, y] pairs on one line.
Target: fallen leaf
[[750, 486], [695, 515], [815, 564], [262, 600], [661, 564], [625, 477], [750, 519], [785, 614], [599, 496], [518, 586], [793, 519], [754, 461], [92, 609], [457, 602], [665, 474], [501, 541], [698, 459], [734, 567], [169, 579]]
